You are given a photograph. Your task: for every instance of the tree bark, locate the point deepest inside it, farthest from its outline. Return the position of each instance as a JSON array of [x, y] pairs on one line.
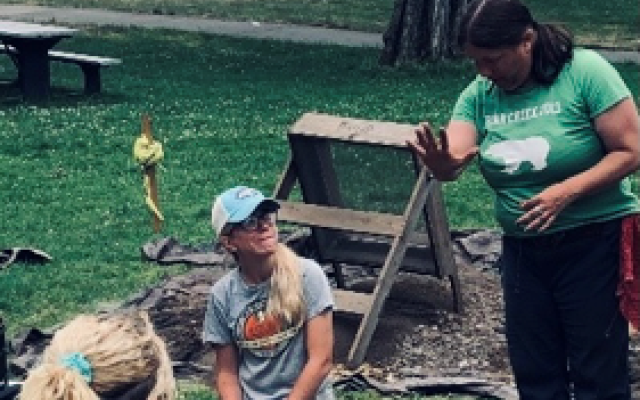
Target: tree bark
[[421, 30]]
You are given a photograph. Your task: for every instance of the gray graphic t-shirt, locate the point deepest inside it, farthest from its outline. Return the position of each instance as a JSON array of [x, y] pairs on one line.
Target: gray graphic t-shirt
[[271, 354]]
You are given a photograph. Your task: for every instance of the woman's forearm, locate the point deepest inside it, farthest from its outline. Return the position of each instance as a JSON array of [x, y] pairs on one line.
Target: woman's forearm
[[610, 170], [619, 131]]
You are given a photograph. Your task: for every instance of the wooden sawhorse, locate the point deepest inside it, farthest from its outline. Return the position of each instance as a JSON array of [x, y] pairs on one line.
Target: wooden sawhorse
[[335, 228]]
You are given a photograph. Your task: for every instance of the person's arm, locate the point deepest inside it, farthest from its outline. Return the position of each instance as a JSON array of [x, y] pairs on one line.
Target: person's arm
[[225, 378], [619, 130], [446, 156], [318, 335]]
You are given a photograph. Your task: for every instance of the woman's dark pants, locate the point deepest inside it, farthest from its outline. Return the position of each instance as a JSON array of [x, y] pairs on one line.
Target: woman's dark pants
[[564, 328]]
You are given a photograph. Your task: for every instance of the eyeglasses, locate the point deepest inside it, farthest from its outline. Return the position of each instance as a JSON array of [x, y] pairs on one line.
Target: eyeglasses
[[253, 222]]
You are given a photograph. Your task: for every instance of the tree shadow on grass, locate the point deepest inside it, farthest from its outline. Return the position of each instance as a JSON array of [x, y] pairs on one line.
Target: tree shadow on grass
[[11, 95]]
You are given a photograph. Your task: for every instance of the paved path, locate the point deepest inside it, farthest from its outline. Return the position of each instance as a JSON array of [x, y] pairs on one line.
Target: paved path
[[73, 16], [230, 28]]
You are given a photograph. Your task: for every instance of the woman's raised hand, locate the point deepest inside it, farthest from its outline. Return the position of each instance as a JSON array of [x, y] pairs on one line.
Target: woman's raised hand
[[436, 154]]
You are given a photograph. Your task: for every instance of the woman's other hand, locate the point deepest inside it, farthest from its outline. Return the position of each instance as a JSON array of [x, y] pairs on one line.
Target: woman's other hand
[[619, 131], [447, 155], [540, 211]]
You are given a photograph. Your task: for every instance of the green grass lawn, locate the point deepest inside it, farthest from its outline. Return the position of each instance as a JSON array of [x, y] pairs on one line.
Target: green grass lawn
[[610, 23], [221, 107]]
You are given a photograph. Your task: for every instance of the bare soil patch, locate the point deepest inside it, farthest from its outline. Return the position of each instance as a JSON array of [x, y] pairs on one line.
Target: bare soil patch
[[418, 335]]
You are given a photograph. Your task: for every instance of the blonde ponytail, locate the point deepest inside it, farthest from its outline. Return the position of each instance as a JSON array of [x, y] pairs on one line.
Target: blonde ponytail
[[53, 381], [122, 350], [286, 297]]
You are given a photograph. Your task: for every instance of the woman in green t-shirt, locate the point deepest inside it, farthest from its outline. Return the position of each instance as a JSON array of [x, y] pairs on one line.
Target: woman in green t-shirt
[[556, 134]]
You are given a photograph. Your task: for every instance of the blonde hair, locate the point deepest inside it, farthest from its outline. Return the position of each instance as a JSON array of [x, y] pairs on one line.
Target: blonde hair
[[285, 297], [123, 350]]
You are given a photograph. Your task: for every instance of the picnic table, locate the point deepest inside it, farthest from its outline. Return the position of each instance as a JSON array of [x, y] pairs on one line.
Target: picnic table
[[30, 44]]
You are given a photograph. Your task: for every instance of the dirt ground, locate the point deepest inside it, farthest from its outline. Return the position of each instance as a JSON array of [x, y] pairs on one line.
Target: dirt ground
[[419, 334]]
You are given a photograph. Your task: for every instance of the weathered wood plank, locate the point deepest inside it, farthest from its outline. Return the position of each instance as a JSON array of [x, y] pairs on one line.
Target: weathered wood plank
[[348, 250], [340, 218], [352, 302], [354, 130], [318, 179], [389, 271], [287, 181], [438, 228]]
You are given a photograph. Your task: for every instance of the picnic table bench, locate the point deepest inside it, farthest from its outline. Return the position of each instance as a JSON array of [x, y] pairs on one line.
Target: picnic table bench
[[30, 46], [90, 65]]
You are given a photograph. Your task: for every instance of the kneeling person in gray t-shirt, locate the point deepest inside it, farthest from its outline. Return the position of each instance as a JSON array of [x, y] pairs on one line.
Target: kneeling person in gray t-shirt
[[269, 319]]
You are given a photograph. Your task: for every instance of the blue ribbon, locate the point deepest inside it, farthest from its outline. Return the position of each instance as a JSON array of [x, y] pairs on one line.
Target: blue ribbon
[[79, 363]]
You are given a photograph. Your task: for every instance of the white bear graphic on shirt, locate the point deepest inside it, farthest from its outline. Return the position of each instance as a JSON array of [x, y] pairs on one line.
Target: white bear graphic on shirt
[[514, 152]]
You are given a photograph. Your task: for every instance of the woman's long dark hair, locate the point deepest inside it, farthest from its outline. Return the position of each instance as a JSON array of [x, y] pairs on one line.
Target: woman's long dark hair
[[493, 24]]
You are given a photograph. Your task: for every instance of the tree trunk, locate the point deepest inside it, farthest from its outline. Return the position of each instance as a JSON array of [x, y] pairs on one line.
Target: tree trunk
[[421, 30]]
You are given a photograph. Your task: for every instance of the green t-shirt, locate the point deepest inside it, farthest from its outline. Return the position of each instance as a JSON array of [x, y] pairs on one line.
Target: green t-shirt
[[541, 135]]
